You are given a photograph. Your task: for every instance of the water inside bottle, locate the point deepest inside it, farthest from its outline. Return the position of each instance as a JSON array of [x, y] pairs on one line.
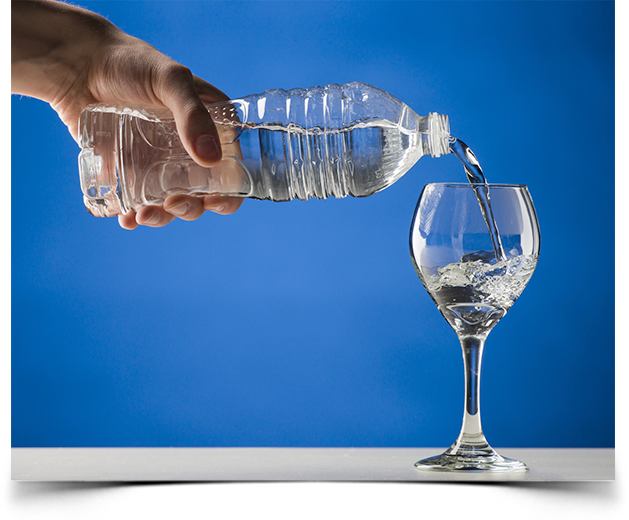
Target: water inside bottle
[[291, 162], [477, 179]]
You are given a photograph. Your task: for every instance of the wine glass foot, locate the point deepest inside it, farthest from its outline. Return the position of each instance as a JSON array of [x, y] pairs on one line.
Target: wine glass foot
[[470, 460]]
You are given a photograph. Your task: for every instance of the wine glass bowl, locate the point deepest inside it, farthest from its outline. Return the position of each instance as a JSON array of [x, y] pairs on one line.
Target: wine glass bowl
[[474, 247]]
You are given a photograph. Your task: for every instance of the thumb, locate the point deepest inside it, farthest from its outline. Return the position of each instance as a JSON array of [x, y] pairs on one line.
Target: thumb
[[194, 124]]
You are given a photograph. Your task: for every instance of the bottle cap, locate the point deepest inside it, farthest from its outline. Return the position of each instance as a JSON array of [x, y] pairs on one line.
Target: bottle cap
[[439, 134]]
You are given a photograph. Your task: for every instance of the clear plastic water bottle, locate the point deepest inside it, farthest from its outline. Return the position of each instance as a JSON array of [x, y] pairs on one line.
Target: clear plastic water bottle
[[280, 145]]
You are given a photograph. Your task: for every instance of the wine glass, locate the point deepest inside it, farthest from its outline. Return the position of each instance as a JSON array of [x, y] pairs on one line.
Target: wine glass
[[474, 247]]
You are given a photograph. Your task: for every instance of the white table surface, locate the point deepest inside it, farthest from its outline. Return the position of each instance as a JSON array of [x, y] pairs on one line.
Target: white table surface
[[293, 464]]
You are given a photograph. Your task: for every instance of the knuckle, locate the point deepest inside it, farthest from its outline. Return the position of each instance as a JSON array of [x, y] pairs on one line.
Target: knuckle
[[177, 72], [174, 76]]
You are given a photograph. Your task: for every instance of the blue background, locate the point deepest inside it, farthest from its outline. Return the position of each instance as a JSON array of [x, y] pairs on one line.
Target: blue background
[[304, 323]]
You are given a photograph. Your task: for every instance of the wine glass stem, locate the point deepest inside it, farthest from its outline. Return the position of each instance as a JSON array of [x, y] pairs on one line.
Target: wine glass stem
[[471, 432]]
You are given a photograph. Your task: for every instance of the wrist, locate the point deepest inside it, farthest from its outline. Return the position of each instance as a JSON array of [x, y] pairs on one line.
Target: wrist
[[52, 44]]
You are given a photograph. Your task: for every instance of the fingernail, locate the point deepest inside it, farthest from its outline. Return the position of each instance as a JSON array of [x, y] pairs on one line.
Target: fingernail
[[218, 209], [207, 148], [180, 209], [153, 219]]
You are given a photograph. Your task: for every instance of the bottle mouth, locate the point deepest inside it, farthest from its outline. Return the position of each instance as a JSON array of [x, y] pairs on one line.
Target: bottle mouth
[[101, 193], [439, 126]]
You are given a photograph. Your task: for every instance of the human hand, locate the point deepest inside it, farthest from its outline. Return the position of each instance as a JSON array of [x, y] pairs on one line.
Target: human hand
[[71, 58]]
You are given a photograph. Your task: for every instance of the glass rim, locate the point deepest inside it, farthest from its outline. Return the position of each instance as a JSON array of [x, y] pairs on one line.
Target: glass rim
[[476, 184]]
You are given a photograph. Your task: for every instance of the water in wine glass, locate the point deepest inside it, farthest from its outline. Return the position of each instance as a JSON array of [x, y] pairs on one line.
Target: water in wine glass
[[473, 295]]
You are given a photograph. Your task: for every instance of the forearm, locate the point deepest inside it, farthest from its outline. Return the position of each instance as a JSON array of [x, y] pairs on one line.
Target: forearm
[[52, 43]]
